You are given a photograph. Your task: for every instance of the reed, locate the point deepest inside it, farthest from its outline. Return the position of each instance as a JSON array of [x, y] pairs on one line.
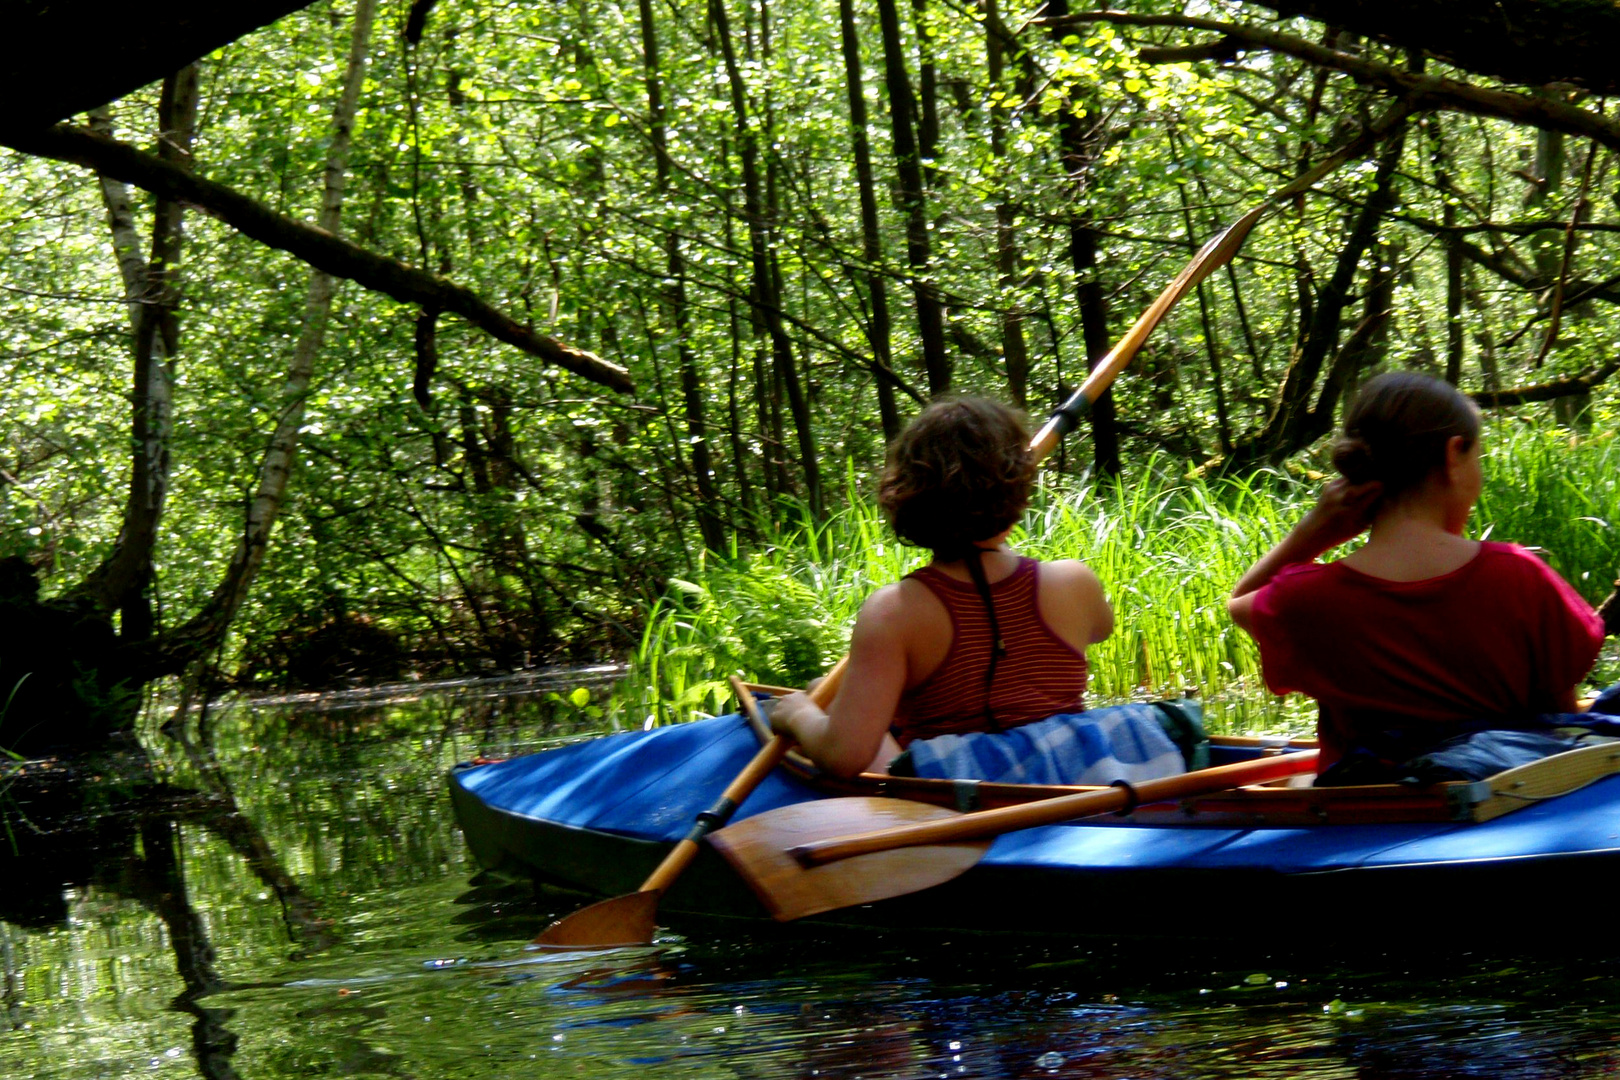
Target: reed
[[1167, 547]]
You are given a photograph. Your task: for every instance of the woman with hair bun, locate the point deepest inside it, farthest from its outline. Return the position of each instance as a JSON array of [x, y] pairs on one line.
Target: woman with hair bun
[[1420, 633], [979, 639]]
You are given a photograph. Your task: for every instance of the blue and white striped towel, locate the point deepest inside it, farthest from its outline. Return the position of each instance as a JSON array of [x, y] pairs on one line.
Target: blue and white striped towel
[[1118, 742]]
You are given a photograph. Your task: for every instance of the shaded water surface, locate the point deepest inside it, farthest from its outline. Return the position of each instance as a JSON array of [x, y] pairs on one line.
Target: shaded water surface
[[285, 894]]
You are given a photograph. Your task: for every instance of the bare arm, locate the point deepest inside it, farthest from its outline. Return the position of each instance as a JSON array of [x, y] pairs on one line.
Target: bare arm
[[1073, 603], [1342, 512], [848, 736], [1609, 612], [1096, 605]]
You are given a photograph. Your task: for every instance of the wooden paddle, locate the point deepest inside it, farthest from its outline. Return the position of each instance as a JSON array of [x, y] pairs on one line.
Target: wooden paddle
[[802, 860], [1211, 257], [630, 919]]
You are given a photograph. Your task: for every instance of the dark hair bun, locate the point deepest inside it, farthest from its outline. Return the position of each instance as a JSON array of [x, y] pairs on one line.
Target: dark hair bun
[[1353, 457]]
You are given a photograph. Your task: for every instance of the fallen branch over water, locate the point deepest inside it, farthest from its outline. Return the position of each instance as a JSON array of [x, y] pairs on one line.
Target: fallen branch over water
[[322, 250]]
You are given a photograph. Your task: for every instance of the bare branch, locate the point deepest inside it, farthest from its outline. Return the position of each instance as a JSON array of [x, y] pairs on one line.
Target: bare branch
[[1547, 391]]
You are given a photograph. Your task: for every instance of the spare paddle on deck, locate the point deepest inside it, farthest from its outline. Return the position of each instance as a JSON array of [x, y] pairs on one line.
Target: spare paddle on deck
[[809, 858], [631, 919]]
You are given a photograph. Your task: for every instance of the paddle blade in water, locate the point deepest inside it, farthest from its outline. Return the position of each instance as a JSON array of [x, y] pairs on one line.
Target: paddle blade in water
[[624, 920], [758, 848]]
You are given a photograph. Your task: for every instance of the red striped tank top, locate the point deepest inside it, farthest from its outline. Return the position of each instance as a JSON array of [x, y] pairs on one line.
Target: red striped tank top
[[1038, 676]]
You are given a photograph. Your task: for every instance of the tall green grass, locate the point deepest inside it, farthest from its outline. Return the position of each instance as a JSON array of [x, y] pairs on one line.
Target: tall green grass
[[1167, 546]]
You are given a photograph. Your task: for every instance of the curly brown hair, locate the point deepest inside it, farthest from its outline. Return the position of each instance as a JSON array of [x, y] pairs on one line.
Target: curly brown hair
[[960, 473]]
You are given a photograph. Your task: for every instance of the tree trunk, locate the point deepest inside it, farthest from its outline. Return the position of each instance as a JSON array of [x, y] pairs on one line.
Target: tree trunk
[[755, 371], [1455, 338], [205, 629], [1094, 330], [1489, 377], [763, 296], [1302, 430], [123, 581], [1077, 153], [697, 429], [1013, 348], [1293, 424], [913, 202], [1212, 347], [878, 332]]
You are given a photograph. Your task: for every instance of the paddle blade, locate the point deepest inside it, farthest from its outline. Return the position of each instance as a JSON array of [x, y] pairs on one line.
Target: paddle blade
[[624, 920], [758, 849]]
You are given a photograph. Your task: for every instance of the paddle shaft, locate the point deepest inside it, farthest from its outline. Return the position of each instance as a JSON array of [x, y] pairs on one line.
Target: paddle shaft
[[770, 755], [987, 823], [1213, 255]]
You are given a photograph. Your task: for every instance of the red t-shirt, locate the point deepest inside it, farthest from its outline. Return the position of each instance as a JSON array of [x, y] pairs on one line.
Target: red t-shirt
[[1501, 636]]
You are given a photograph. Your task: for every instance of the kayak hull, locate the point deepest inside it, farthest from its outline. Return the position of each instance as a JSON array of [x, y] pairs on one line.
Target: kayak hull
[[598, 817]]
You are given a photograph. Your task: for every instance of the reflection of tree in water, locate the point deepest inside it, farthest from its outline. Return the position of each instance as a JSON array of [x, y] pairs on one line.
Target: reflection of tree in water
[[11, 991], [487, 710], [101, 821]]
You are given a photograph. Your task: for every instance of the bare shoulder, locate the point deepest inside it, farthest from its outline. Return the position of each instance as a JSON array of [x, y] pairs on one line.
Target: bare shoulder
[[884, 607], [1073, 601], [1070, 575], [894, 609]]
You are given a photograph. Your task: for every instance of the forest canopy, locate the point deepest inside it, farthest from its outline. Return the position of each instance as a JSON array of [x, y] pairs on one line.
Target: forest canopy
[[382, 337]]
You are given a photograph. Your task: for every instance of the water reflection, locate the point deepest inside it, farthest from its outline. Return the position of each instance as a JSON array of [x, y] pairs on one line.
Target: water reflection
[[282, 893]]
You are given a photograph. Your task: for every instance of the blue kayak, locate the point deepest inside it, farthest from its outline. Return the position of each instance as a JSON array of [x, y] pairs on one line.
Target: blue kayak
[[598, 816]]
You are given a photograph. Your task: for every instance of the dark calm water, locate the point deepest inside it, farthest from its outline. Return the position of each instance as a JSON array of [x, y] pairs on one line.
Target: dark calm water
[[297, 902]]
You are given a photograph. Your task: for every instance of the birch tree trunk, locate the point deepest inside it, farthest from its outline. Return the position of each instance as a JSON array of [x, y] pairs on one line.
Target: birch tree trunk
[[206, 628], [123, 581]]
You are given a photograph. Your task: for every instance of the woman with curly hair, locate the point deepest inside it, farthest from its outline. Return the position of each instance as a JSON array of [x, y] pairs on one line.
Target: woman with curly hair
[[979, 639]]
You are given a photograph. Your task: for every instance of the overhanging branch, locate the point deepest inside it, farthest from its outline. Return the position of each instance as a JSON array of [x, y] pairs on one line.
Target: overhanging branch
[[1531, 42], [69, 56], [322, 250], [1547, 391], [1421, 91]]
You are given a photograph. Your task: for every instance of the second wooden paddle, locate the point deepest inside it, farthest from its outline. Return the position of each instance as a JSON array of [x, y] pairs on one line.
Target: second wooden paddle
[[835, 853]]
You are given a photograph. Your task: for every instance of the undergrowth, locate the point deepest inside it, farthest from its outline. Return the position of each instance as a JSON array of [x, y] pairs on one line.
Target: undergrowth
[[1167, 546]]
